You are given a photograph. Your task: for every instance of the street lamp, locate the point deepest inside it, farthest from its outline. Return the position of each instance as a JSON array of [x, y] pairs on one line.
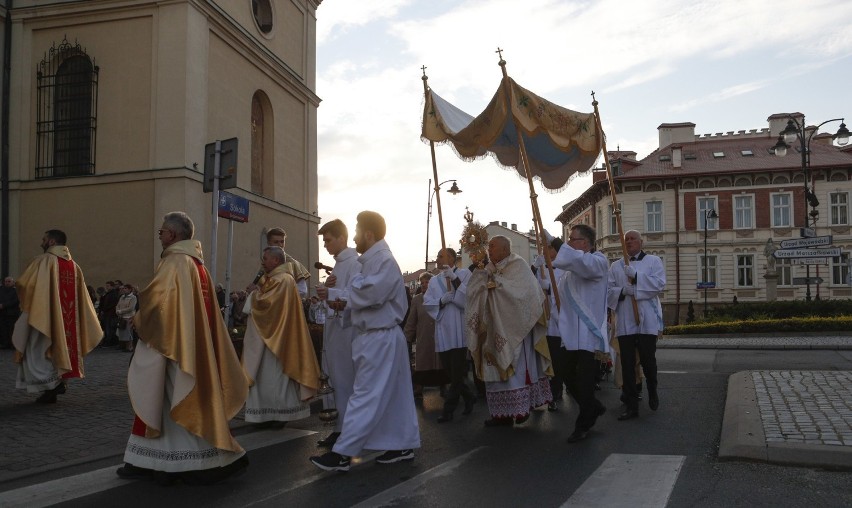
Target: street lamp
[[454, 189], [797, 131], [708, 214]]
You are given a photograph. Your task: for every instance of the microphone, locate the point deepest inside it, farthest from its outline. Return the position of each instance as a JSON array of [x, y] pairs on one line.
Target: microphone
[[319, 266], [258, 276]]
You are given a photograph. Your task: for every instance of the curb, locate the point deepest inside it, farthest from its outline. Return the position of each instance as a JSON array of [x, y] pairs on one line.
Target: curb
[[742, 436]]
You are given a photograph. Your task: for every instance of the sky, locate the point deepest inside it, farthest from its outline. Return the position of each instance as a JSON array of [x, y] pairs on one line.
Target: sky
[[723, 65]]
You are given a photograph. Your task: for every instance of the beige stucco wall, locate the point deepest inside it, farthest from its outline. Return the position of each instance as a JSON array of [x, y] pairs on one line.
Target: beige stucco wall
[[173, 77]]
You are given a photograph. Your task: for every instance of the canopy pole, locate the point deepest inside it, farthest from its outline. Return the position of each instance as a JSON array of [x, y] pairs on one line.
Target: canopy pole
[[539, 227], [425, 78], [615, 209]]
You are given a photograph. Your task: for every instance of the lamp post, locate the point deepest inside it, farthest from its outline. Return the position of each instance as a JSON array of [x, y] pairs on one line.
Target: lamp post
[[454, 189], [708, 214], [798, 131]]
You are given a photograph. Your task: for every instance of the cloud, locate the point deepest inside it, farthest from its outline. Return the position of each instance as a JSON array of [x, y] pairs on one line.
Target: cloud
[[336, 17]]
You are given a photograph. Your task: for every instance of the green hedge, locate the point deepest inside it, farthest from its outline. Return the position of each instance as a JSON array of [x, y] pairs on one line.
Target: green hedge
[[781, 310], [794, 324]]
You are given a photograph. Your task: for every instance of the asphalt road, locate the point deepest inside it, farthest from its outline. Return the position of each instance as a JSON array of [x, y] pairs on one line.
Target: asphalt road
[[463, 463]]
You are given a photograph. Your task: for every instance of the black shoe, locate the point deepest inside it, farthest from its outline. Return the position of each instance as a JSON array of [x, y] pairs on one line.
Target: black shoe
[[628, 415], [331, 462], [468, 406], [48, 397], [499, 422], [61, 388], [329, 441], [391, 456], [521, 419], [578, 435], [165, 479], [653, 400], [215, 475], [131, 472], [446, 417], [551, 406], [601, 410]]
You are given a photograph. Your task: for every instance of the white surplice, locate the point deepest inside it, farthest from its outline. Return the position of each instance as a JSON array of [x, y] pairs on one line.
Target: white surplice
[[380, 414], [449, 317]]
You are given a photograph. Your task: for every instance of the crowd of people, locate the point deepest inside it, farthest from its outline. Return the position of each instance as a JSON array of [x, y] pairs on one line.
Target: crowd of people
[[528, 333]]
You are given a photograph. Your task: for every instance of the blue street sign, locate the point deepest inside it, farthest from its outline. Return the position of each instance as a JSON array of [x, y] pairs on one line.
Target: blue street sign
[[705, 285], [233, 207]]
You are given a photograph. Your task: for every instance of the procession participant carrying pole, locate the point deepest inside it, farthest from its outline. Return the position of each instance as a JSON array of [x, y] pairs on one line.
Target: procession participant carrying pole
[[615, 209], [539, 227], [425, 78]]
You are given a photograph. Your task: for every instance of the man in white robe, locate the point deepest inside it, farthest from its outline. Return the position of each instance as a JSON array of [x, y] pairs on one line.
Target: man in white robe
[[641, 280], [505, 326], [277, 350], [445, 301], [380, 414], [338, 332], [582, 321], [554, 340], [185, 381]]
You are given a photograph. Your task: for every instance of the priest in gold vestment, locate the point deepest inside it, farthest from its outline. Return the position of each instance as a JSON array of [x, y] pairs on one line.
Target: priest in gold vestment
[[58, 326], [278, 354], [185, 380]]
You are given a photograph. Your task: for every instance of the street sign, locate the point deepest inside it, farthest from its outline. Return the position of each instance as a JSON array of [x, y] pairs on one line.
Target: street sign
[[227, 165], [233, 207], [801, 281], [809, 261], [806, 253], [807, 232], [816, 241], [705, 285]]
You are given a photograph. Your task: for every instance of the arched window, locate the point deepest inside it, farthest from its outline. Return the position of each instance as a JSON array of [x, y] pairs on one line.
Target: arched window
[[262, 171], [67, 113]]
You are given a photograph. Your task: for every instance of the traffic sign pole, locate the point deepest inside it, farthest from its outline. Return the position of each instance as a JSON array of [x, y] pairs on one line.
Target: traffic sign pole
[[214, 219]]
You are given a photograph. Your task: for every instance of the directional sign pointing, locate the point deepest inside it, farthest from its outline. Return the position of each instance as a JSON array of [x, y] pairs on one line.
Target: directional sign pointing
[[806, 253], [817, 241]]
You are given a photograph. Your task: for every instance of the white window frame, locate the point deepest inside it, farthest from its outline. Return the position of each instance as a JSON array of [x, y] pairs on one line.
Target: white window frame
[[744, 270], [784, 270], [782, 209], [702, 205], [837, 209], [657, 215], [613, 225], [712, 268], [839, 270], [743, 215]]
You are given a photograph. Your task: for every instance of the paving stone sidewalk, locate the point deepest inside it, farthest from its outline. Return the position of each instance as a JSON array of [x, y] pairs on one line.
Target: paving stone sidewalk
[[841, 342]]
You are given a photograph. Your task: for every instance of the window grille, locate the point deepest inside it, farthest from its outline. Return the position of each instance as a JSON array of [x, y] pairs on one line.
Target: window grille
[[67, 103]]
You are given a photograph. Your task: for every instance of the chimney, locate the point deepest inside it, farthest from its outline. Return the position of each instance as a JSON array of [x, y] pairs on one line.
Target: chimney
[[778, 122], [676, 133], [503, 224], [677, 156], [514, 227]]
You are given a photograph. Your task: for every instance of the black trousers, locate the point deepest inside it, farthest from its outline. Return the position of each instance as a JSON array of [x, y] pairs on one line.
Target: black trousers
[[558, 380], [580, 369], [455, 364], [646, 346]]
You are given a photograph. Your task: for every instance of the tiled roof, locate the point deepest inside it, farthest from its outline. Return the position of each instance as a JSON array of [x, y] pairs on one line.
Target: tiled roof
[[698, 158]]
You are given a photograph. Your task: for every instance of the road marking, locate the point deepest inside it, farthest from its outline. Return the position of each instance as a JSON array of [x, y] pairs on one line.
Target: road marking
[[629, 480], [394, 495], [85, 484]]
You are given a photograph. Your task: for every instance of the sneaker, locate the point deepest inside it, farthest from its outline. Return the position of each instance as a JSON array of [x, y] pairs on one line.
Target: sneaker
[[332, 461], [392, 456]]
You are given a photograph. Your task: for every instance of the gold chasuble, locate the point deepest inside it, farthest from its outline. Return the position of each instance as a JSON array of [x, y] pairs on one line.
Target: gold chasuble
[[277, 312], [53, 294], [178, 317], [502, 308], [295, 268]]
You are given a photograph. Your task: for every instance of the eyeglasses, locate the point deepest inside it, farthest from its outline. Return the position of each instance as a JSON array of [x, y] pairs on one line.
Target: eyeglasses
[[575, 238], [161, 231]]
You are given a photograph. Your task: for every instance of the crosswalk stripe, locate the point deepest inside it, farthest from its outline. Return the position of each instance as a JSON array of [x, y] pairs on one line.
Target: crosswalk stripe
[[404, 489], [629, 480], [73, 487]]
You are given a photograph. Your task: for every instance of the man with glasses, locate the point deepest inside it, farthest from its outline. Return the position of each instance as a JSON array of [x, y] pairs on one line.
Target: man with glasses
[[582, 320], [185, 381]]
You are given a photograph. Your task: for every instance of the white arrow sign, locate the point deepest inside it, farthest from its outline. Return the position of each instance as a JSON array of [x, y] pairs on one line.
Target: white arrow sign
[[817, 241], [806, 253]]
